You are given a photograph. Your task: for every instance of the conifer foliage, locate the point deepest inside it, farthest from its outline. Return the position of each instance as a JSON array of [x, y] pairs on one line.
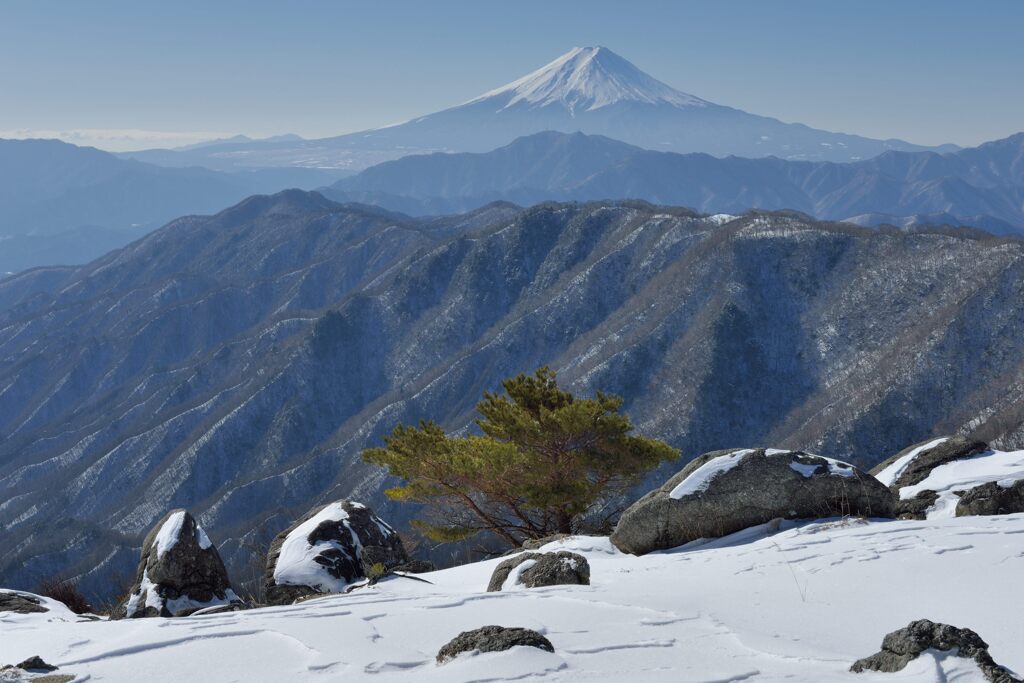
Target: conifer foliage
[[547, 462]]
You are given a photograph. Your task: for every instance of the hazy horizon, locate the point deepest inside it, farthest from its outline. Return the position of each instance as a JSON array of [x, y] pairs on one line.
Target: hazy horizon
[[120, 76]]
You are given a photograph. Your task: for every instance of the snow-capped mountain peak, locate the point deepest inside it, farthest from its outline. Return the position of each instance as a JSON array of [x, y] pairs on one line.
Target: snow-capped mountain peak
[[588, 78]]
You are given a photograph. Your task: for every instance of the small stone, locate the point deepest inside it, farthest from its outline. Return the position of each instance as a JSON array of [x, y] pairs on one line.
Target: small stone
[[36, 663], [492, 639]]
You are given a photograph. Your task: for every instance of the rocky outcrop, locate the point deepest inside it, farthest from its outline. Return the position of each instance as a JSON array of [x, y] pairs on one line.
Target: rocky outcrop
[[180, 572], [328, 548], [542, 569], [901, 647], [913, 464], [20, 603], [722, 492], [992, 498], [492, 639]]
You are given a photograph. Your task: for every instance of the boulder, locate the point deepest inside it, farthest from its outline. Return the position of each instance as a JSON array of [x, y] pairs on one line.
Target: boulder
[[180, 572], [492, 639], [992, 498], [328, 548], [900, 647], [544, 569], [912, 465], [723, 492], [20, 603]]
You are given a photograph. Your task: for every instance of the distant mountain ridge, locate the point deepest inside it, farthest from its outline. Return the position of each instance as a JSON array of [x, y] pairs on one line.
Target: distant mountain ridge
[[588, 89], [236, 364], [982, 186], [60, 203]]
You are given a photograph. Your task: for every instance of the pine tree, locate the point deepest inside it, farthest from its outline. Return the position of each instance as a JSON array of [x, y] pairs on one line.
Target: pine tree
[[547, 462]]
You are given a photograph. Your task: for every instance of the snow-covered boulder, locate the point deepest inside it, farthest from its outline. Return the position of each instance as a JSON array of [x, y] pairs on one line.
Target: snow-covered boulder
[[954, 476], [913, 464], [901, 647], [327, 549], [531, 570], [722, 492], [180, 572], [492, 639]]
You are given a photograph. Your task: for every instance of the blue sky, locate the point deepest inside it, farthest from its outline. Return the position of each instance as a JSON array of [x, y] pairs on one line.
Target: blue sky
[[125, 74]]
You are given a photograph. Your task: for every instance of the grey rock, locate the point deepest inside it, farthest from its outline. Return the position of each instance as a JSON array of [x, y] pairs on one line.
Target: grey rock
[[760, 487], [492, 639], [36, 663], [901, 647], [953, 448], [549, 569], [416, 567], [180, 579], [916, 507], [20, 603], [348, 548], [991, 499]]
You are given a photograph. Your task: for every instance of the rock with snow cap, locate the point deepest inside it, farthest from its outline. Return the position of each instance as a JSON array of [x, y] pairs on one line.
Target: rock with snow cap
[[328, 548], [541, 569], [21, 603], [180, 572], [913, 464], [954, 476], [725, 491], [901, 647]]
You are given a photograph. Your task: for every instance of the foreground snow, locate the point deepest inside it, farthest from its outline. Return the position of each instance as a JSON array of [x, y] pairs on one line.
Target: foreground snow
[[801, 604]]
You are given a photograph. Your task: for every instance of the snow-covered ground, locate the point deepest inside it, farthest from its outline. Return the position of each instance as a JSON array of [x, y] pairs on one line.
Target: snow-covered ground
[[800, 604]]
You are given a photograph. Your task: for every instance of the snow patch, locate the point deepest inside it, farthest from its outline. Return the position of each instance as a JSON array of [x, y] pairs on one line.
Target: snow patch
[[168, 535], [514, 580], [890, 474], [701, 478]]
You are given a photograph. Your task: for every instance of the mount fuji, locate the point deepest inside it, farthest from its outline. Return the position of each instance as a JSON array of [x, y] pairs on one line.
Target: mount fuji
[[588, 89]]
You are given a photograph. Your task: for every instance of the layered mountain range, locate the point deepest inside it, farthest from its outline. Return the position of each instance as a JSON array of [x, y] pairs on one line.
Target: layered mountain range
[[982, 186], [64, 204], [588, 89], [236, 364]]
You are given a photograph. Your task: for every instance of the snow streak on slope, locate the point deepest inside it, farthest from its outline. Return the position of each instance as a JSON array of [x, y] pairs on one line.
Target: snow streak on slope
[[800, 605], [588, 78]]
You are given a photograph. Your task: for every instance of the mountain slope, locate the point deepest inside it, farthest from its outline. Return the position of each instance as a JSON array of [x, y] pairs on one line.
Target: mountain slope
[[588, 89], [986, 182], [236, 364]]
